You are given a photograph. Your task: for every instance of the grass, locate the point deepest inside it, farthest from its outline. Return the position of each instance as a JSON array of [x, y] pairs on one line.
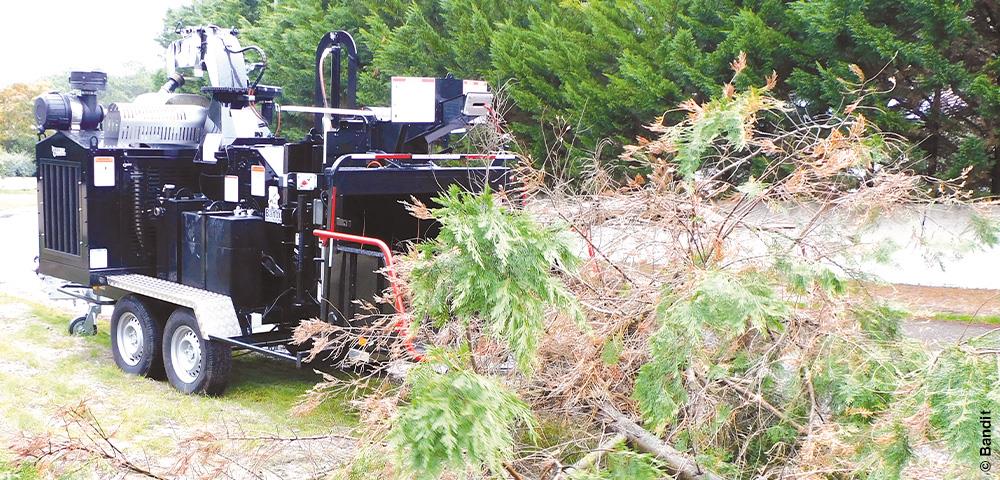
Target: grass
[[42, 369], [967, 318], [21, 472]]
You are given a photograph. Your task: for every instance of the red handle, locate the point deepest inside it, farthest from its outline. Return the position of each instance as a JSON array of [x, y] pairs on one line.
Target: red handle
[[399, 326]]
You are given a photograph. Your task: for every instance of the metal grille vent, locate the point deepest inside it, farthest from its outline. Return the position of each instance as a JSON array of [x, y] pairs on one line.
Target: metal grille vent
[[133, 124], [60, 205]]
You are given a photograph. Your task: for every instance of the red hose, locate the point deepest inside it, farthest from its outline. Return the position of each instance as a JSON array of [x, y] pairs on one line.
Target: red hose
[[399, 326]]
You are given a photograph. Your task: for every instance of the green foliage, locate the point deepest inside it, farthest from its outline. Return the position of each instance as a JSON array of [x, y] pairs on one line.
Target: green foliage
[[366, 462], [861, 378], [801, 278], [883, 251], [659, 386], [986, 231], [883, 449], [492, 265], [624, 465], [17, 119], [967, 318], [722, 120], [612, 350], [455, 420], [880, 321], [721, 302], [653, 54], [960, 385], [894, 452], [957, 385], [730, 303], [921, 40], [24, 471], [16, 164]]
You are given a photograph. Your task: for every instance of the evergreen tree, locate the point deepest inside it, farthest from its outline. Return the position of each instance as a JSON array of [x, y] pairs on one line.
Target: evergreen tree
[[937, 67], [602, 68]]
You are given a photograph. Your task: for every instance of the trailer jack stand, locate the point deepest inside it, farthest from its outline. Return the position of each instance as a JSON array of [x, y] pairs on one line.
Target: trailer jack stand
[[86, 324]]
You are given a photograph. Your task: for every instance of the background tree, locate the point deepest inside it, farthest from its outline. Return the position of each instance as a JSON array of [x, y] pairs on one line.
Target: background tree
[[938, 68], [596, 70], [17, 120]]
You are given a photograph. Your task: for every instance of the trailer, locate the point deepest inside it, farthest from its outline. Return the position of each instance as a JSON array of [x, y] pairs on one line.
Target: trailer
[[208, 233]]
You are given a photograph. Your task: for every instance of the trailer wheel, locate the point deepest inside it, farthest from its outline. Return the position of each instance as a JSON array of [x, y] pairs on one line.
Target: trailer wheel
[[136, 334], [193, 364]]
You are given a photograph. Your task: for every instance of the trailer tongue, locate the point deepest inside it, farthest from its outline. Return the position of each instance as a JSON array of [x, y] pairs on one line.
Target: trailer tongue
[[209, 233]]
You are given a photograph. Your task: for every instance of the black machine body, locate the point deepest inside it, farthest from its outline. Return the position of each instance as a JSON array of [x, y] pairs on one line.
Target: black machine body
[[196, 194]]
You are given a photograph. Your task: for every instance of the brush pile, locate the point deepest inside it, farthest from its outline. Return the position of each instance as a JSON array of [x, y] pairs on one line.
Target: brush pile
[[706, 318]]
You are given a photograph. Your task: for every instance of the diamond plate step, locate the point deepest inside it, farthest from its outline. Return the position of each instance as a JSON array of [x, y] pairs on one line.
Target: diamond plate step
[[214, 311]]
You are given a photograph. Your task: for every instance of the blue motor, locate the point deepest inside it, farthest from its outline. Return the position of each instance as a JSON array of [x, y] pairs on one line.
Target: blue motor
[[64, 111]]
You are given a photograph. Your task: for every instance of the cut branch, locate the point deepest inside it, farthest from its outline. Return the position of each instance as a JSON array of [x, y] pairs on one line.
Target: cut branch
[[679, 464]]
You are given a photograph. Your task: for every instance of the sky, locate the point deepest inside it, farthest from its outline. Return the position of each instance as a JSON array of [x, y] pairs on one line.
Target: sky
[[40, 38]]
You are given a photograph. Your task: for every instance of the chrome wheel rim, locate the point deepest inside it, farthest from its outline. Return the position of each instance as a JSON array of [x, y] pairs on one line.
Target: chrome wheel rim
[[130, 339], [185, 354]]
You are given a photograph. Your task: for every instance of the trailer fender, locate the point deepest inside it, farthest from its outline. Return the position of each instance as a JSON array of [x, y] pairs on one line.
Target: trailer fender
[[214, 312]]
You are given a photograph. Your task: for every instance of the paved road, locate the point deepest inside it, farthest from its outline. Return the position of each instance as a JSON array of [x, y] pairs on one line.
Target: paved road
[[938, 334]]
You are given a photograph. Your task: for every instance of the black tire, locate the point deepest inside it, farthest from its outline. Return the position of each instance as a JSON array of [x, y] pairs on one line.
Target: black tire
[[136, 334], [205, 370], [76, 327]]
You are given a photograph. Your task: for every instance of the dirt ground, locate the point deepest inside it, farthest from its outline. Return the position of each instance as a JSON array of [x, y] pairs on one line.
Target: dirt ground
[[925, 302], [943, 315]]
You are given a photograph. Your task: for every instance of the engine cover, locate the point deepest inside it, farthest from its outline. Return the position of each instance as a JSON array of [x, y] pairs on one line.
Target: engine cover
[[133, 124]]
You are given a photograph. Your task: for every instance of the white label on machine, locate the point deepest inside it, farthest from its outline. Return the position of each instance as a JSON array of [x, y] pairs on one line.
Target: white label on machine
[[305, 181], [475, 86], [98, 258], [272, 213], [232, 188], [257, 323], [413, 99], [104, 171], [257, 180]]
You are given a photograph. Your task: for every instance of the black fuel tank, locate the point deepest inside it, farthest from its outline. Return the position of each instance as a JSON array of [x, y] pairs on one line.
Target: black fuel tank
[[222, 254]]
